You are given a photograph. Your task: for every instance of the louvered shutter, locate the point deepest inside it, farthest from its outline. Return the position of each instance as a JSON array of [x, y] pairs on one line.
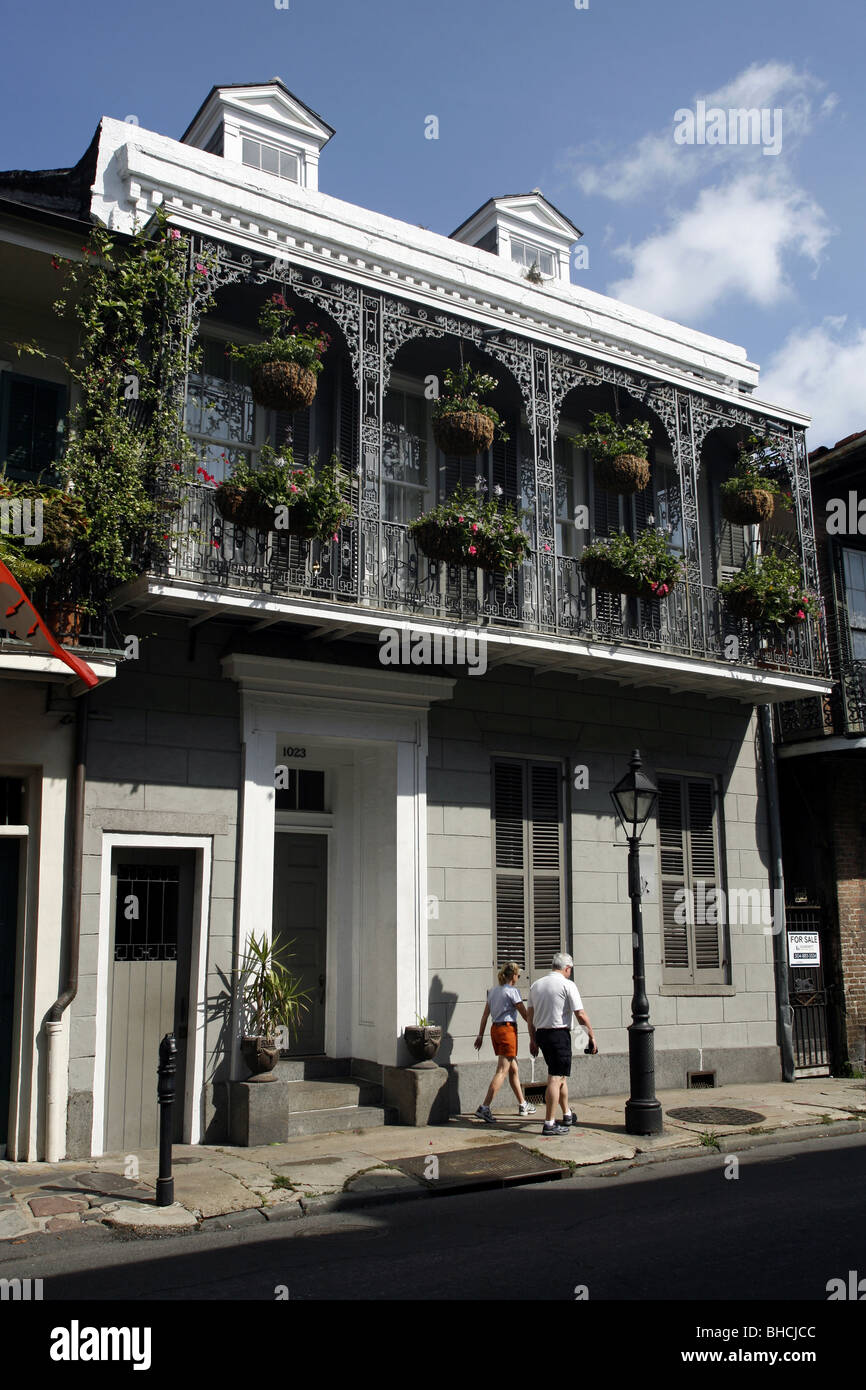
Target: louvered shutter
[[529, 855], [510, 856], [692, 926], [732, 549], [673, 879], [703, 866], [348, 443], [546, 838], [505, 472]]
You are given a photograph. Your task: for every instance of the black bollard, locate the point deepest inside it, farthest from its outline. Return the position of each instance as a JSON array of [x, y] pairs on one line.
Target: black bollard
[[165, 1097]]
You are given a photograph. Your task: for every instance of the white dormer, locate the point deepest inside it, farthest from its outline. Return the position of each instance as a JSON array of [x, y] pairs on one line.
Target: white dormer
[[525, 229], [263, 127]]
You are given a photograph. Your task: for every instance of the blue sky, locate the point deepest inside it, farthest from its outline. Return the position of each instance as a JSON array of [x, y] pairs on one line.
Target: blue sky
[[765, 250]]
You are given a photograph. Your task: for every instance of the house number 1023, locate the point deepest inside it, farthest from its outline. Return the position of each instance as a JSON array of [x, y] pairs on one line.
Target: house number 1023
[[294, 752]]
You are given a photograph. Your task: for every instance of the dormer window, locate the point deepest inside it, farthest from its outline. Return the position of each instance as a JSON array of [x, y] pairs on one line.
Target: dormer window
[[270, 159], [526, 254]]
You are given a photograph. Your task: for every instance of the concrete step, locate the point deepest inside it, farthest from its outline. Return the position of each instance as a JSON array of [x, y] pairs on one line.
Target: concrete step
[[331, 1121], [309, 1068], [331, 1093]]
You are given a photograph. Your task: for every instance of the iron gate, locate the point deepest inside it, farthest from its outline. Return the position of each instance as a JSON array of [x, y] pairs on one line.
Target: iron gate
[[808, 993]]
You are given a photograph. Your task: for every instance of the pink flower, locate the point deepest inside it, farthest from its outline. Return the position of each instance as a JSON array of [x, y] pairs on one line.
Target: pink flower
[[336, 537], [461, 518], [546, 546], [294, 488], [800, 613], [472, 550], [202, 269], [475, 526], [174, 234]]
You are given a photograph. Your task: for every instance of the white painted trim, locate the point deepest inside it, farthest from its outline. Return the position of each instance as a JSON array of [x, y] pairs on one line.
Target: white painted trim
[[16, 832], [809, 747], [194, 1084]]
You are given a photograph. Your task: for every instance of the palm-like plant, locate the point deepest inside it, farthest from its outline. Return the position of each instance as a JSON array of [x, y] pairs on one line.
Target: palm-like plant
[[273, 1000]]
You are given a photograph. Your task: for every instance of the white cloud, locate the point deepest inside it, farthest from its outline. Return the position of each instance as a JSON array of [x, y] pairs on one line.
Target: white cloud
[[821, 370], [734, 240], [656, 163]]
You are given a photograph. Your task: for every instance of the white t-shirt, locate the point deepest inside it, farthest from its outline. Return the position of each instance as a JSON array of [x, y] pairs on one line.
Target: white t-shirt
[[555, 1000], [502, 1001]]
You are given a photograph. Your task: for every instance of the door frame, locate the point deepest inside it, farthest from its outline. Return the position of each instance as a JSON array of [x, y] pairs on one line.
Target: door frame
[[21, 834], [281, 828], [202, 846]]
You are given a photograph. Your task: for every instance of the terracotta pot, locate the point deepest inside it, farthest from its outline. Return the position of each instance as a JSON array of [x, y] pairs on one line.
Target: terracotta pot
[[423, 1043], [65, 620], [622, 473], [464, 433], [242, 507], [283, 385], [260, 1054], [748, 506]]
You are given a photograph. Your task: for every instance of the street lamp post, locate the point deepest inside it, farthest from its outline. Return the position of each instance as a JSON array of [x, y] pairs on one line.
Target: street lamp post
[[634, 798]]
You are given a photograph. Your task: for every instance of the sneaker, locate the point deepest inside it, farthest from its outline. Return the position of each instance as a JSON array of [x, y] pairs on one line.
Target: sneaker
[[526, 1109], [483, 1113], [548, 1131], [569, 1119]]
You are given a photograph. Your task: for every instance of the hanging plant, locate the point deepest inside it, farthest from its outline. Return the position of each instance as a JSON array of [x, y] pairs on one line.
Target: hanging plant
[[285, 367], [276, 495], [769, 590], [644, 567], [60, 514], [468, 529], [462, 424], [751, 496], [619, 452]]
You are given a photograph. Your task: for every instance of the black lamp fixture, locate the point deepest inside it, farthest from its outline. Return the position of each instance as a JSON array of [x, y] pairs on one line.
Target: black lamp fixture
[[634, 798]]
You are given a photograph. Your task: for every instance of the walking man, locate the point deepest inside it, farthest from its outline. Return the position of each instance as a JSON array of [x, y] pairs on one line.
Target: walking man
[[553, 1000]]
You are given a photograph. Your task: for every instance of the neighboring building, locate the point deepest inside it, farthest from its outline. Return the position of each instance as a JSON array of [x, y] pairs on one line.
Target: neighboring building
[[822, 774], [430, 821]]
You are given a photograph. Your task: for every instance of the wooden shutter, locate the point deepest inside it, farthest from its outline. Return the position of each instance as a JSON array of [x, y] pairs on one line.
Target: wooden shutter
[[348, 439], [732, 549], [510, 861], [505, 472], [545, 780], [529, 863], [693, 943]]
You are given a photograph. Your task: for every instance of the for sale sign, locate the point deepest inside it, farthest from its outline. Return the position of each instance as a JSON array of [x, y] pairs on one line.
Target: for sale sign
[[804, 948]]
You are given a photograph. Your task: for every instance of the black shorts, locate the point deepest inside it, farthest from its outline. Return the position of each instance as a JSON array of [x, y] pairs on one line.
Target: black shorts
[[555, 1045]]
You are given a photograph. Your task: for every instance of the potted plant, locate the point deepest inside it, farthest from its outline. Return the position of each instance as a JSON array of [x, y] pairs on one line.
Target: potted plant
[[469, 529], [619, 452], [423, 1039], [644, 567], [462, 424], [59, 515], [272, 1000], [752, 494], [276, 495], [285, 367], [769, 590]]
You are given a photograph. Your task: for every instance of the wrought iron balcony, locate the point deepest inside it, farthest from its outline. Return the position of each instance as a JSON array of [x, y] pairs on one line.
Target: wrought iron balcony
[[853, 697], [376, 565]]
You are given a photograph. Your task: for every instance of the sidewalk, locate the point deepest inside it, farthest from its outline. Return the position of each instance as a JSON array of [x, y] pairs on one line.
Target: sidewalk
[[224, 1187]]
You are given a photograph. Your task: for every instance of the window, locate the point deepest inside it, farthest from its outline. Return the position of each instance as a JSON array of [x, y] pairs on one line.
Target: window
[[305, 791], [693, 931], [405, 455], [854, 569], [31, 425], [271, 159], [526, 254], [572, 491], [11, 801], [220, 414], [529, 857]]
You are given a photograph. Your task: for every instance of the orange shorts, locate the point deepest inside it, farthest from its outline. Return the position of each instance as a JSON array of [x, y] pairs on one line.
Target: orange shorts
[[504, 1038]]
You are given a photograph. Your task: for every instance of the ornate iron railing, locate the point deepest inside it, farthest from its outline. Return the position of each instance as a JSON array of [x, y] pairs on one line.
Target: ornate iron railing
[[376, 564], [853, 697]]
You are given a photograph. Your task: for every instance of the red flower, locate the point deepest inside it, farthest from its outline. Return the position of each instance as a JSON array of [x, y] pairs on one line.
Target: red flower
[[336, 537], [177, 468], [55, 264], [472, 550], [475, 526], [461, 518], [800, 613]]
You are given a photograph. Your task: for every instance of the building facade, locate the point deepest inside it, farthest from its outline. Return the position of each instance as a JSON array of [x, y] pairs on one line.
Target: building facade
[[400, 764], [822, 745]]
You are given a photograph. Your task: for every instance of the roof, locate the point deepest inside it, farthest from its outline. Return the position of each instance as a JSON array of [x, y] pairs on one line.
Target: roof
[[823, 452], [529, 194], [239, 86], [64, 191]]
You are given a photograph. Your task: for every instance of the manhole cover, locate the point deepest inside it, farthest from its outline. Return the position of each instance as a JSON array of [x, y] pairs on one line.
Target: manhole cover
[[715, 1115], [495, 1166]]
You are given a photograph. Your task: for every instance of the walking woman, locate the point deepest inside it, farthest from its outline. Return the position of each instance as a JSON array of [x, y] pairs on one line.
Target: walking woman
[[503, 1005]]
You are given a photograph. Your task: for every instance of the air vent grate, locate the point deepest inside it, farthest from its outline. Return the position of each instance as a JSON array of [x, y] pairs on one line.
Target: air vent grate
[[701, 1080]]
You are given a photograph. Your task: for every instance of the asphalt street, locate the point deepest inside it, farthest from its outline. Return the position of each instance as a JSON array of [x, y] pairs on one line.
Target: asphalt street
[[791, 1220]]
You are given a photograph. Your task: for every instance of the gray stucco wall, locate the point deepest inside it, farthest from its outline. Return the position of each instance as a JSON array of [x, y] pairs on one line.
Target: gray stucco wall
[[164, 758], [509, 712]]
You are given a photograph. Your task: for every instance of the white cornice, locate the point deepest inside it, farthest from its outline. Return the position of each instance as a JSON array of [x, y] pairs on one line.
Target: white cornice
[[259, 212]]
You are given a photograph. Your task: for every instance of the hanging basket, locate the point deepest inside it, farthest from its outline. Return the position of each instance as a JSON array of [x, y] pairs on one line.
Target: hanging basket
[[464, 433], [603, 575], [243, 507], [283, 385], [748, 506], [622, 473]]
